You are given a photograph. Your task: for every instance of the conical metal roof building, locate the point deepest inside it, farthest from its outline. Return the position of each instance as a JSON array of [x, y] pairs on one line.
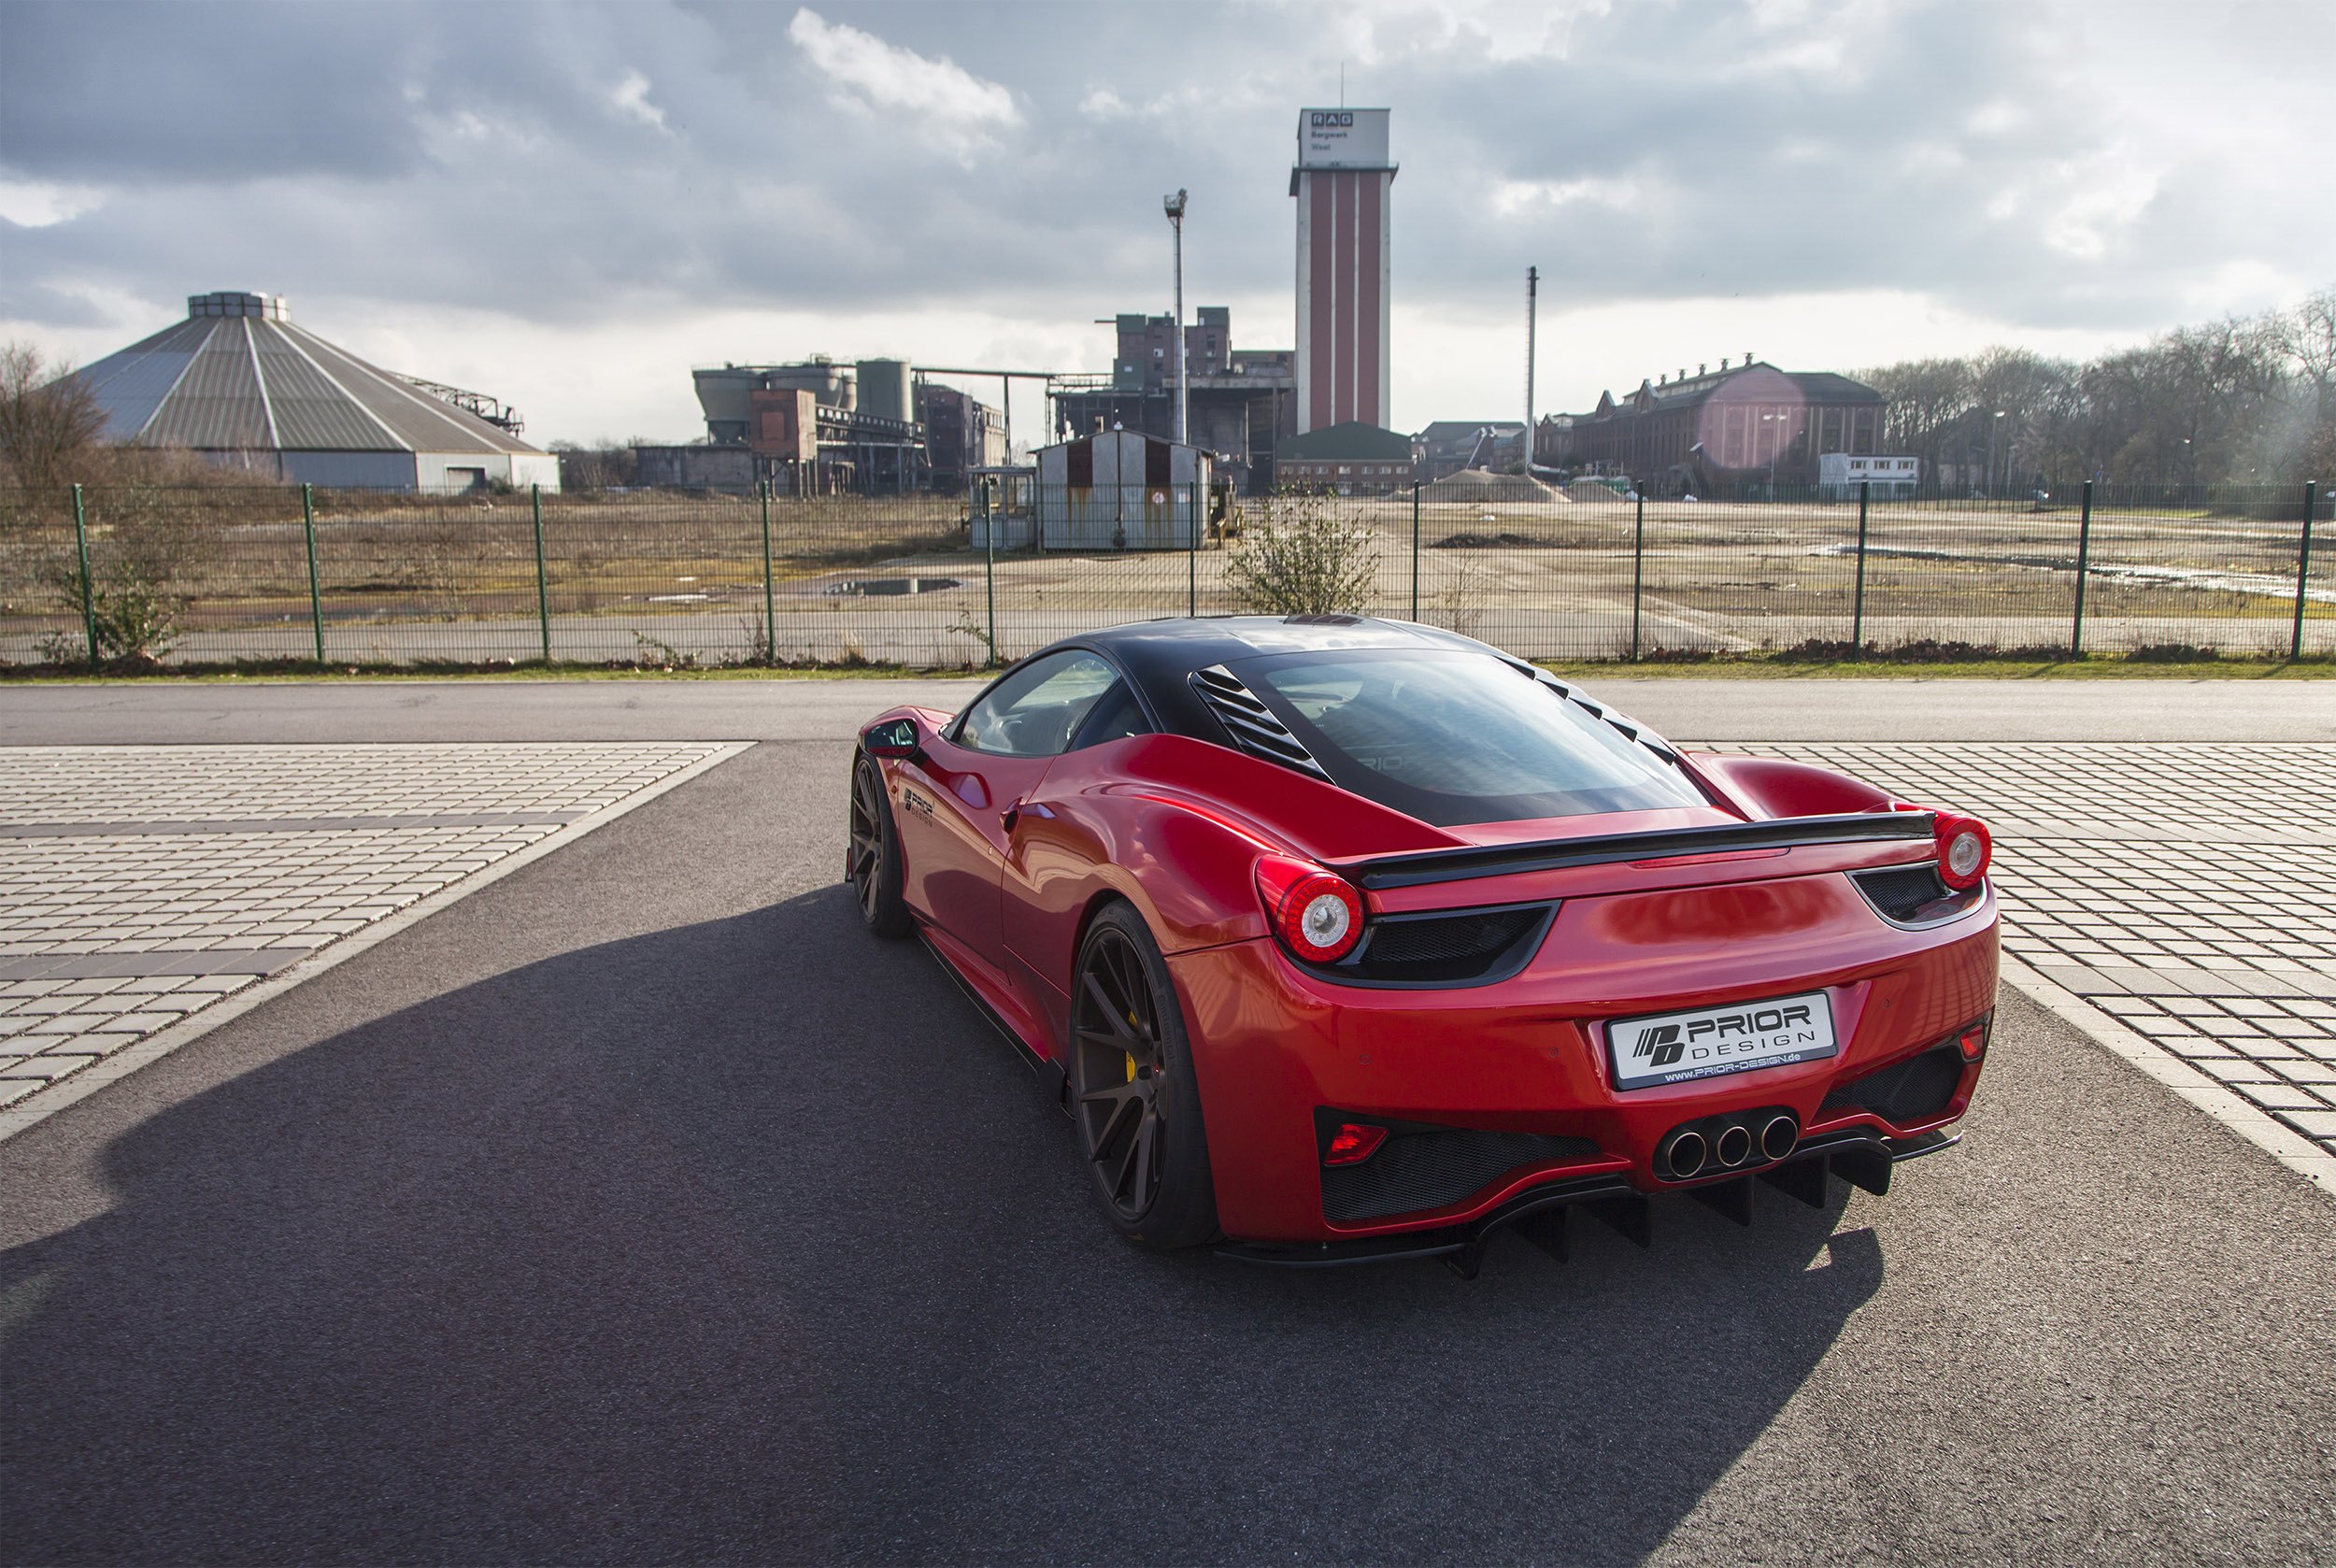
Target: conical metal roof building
[[239, 383]]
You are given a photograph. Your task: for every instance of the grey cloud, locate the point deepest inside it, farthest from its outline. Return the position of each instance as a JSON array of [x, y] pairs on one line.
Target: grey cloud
[[477, 155]]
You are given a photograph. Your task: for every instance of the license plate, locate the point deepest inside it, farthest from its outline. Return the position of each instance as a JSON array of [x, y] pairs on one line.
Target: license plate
[[1675, 1048]]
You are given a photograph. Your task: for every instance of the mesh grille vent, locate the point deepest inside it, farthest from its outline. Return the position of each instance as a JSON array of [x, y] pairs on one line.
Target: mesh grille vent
[[1912, 894], [1444, 947], [1415, 1171], [1914, 1089], [1251, 723]]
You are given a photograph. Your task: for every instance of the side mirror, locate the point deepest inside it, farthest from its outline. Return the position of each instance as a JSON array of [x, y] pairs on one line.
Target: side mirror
[[895, 738]]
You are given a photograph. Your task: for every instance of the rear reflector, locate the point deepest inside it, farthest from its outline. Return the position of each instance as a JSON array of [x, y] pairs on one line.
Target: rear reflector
[[1353, 1143], [1974, 1043]]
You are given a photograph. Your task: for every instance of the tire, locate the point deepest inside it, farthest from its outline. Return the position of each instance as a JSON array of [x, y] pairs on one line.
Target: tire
[[1133, 1097], [873, 865]]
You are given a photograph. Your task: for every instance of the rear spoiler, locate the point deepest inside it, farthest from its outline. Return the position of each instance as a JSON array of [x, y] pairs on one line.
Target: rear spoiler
[[1556, 854]]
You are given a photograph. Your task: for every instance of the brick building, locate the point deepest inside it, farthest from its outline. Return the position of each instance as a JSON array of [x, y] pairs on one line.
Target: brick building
[[1349, 458], [1696, 432]]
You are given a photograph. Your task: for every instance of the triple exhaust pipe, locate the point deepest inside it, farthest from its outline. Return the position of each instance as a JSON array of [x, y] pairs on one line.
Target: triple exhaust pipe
[[1727, 1143]]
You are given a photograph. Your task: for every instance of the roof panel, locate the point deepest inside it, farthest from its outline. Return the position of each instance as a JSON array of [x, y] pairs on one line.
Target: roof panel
[[216, 404], [420, 420], [311, 413], [130, 385]]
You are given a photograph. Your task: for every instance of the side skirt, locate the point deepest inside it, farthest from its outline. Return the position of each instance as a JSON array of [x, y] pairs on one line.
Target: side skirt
[[975, 992]]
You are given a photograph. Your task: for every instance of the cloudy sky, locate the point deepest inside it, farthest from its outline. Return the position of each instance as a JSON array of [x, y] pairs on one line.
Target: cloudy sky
[[569, 204]]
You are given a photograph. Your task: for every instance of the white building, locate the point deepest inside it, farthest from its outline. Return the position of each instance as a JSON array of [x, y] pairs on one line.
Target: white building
[[238, 383], [1840, 474]]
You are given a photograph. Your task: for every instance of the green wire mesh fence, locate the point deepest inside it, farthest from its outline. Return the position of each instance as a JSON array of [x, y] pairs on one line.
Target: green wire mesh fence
[[231, 573]]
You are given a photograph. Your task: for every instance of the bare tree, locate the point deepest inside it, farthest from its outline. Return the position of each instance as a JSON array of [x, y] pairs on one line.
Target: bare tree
[[49, 420]]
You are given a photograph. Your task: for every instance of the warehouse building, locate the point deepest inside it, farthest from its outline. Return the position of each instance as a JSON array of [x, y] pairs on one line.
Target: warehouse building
[[239, 383]]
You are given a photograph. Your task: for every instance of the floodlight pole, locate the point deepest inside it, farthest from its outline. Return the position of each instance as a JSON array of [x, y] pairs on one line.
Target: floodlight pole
[[1173, 207], [1533, 305]]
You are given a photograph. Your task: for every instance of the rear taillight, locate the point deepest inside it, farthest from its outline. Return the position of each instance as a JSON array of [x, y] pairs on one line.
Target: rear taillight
[[1973, 1041], [1964, 850], [1318, 915], [1353, 1143]]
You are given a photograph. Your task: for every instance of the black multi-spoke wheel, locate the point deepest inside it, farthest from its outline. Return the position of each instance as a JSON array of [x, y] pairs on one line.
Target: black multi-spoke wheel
[[872, 864], [1137, 1108]]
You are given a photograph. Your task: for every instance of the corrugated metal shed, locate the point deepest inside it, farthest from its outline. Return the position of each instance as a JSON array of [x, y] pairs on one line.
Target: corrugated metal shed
[[239, 381], [1121, 490]]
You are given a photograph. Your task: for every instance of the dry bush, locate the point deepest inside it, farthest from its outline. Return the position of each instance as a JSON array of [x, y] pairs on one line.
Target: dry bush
[[1297, 556]]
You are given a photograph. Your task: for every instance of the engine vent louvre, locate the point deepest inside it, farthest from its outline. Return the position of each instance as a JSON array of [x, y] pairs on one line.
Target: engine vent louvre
[[1251, 723], [1913, 895]]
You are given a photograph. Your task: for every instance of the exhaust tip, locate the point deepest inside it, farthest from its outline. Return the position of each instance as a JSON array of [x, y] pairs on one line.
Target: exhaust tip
[[1732, 1147], [1778, 1138], [1687, 1154]]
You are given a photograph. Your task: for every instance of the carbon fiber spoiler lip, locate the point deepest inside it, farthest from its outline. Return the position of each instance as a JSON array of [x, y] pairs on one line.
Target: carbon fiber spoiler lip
[[1558, 854]]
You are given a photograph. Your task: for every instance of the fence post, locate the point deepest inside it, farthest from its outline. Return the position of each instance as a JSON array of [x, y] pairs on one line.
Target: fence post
[[1857, 607], [989, 558], [2303, 561], [1415, 549], [1638, 572], [770, 603], [316, 596], [2084, 552], [80, 548], [1193, 549], [543, 592]]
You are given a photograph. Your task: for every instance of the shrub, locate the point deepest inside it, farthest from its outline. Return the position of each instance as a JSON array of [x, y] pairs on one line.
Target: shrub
[[1297, 556]]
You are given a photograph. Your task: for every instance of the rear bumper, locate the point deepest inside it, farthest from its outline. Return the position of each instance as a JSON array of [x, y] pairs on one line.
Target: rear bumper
[[1858, 1155], [1272, 1045]]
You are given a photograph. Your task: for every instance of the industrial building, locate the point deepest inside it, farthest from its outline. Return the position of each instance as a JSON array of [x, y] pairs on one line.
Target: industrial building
[[820, 427], [239, 383], [962, 436], [1350, 459], [1449, 446], [1344, 184], [1240, 403], [1697, 432], [1121, 490]]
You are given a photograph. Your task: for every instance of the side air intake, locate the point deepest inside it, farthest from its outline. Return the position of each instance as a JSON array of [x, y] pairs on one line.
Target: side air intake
[[1251, 723]]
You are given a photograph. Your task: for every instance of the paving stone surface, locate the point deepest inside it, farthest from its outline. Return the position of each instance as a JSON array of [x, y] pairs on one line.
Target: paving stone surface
[[2186, 891], [139, 884]]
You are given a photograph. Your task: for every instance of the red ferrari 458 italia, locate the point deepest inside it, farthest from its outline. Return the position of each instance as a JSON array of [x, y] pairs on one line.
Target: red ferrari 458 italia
[[1345, 939]]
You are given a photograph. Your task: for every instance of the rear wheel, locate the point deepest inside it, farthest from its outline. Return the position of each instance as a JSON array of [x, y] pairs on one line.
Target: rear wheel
[[873, 865], [1135, 1101]]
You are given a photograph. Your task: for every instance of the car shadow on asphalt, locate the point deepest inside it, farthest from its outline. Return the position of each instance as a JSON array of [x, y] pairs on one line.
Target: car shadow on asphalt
[[748, 1241]]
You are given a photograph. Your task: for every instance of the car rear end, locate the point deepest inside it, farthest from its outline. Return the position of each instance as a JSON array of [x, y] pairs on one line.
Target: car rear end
[[1658, 1010]]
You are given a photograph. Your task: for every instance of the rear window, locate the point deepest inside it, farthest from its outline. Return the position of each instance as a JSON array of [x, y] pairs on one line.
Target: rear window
[[1459, 737]]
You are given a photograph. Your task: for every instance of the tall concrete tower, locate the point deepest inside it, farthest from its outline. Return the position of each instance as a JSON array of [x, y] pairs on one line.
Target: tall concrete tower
[[1342, 180]]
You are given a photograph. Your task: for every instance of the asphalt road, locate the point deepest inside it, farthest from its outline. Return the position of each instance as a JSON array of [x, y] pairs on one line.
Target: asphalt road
[[641, 1208], [1776, 710]]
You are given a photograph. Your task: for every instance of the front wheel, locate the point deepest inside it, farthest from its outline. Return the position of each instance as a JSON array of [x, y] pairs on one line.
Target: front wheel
[[1136, 1102], [873, 865]]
